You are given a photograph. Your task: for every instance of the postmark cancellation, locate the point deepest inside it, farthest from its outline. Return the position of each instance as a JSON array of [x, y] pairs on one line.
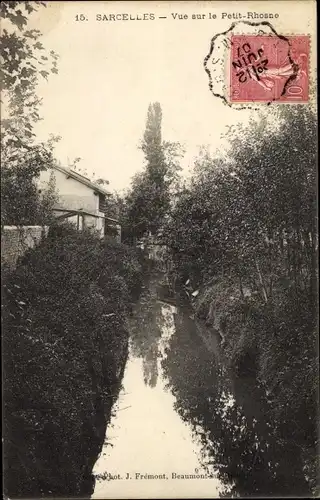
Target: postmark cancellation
[[252, 63]]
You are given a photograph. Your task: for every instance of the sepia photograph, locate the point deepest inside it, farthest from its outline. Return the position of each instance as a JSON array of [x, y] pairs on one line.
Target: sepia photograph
[[159, 249]]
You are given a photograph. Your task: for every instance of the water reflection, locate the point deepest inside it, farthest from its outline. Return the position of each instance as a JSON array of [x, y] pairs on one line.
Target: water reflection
[[231, 416], [146, 330], [147, 436], [181, 409]]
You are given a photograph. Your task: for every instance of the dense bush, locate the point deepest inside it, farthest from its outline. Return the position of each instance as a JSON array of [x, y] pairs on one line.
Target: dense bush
[[65, 347], [244, 234], [251, 213]]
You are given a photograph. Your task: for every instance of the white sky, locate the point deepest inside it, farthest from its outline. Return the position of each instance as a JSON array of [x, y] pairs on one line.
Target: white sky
[[110, 71]]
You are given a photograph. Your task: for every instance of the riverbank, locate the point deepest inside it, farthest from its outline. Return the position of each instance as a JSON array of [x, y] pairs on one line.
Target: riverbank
[[242, 241], [273, 343], [184, 411], [65, 343], [150, 450]]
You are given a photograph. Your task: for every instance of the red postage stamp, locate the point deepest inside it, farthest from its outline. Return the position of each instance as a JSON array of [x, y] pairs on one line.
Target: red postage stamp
[[269, 68]]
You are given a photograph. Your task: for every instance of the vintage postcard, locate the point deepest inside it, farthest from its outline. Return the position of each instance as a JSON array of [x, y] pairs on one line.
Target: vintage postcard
[[159, 249]]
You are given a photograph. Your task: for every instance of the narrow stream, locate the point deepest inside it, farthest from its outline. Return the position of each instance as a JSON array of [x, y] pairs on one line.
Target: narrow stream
[[148, 437], [183, 426]]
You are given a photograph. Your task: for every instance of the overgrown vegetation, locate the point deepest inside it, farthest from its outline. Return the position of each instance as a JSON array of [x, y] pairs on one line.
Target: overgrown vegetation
[[148, 202], [65, 347], [24, 61], [244, 234], [65, 305]]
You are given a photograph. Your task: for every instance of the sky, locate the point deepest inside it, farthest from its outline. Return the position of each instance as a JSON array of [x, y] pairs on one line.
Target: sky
[[109, 72]]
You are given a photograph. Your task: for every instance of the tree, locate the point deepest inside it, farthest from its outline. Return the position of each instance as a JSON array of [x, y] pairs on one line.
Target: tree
[[252, 212], [23, 61], [21, 201], [248, 221], [152, 140], [149, 199]]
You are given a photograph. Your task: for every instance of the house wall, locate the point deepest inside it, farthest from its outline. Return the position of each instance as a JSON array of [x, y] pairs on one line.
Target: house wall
[[72, 193], [15, 241]]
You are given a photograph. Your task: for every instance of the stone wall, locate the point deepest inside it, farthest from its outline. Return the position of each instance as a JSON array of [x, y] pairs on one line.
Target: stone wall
[[16, 240]]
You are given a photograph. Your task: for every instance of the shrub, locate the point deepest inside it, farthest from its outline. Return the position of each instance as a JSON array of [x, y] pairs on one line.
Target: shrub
[[65, 346], [248, 221]]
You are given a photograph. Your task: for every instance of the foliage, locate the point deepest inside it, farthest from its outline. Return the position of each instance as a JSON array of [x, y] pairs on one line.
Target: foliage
[[129, 262], [23, 61], [64, 311], [244, 233], [116, 206], [234, 217], [148, 201], [232, 418], [21, 201]]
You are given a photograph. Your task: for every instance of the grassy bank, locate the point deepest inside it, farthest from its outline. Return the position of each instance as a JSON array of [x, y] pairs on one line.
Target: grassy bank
[[244, 244], [65, 346], [274, 342]]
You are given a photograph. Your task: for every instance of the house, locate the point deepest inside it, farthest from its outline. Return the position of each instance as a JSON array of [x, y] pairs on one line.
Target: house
[[80, 200]]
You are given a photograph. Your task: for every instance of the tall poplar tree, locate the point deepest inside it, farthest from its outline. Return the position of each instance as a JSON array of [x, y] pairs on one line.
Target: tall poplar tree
[[148, 201]]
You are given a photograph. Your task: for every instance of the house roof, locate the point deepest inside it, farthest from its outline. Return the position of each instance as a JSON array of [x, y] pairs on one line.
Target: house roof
[[75, 211], [82, 179]]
